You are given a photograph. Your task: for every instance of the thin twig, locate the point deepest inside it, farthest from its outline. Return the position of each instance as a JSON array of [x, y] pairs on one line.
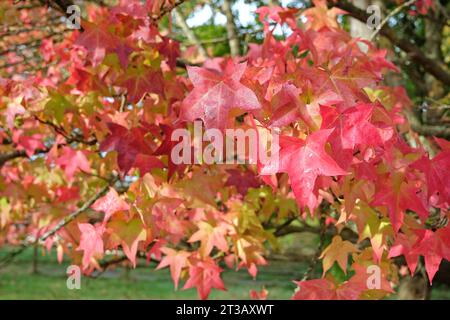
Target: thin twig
[[390, 15]]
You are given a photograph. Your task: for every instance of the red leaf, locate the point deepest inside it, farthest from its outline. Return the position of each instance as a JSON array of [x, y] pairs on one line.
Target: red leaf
[[353, 127], [97, 40], [177, 260], [110, 204], [398, 196], [72, 161], [304, 161], [140, 81], [204, 275], [130, 144], [434, 246], [91, 242], [216, 95]]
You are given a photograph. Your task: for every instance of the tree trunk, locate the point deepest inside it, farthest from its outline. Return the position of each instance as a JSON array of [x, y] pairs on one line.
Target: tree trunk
[[34, 263], [232, 34], [180, 20], [358, 28], [432, 48], [415, 288]]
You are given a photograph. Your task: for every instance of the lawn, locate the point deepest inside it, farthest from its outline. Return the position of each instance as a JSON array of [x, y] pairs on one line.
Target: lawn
[[17, 282], [144, 282]]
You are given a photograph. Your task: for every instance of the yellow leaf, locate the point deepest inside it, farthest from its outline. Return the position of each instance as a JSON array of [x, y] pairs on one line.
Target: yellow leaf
[[337, 251]]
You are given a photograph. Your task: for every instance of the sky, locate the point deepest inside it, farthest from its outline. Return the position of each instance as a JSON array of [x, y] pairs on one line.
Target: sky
[[245, 14]]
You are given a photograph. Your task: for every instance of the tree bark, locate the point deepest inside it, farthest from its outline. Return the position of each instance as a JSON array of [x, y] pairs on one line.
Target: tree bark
[[232, 34], [359, 28], [415, 288], [432, 48], [180, 20]]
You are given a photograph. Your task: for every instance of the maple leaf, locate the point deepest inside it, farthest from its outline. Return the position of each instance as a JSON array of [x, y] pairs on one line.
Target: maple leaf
[[242, 180], [202, 188], [353, 289], [314, 104], [403, 246], [320, 16], [64, 194], [110, 204], [204, 275], [353, 126], [210, 236], [359, 281], [146, 163], [437, 173], [345, 78], [28, 143], [176, 260], [123, 50], [304, 161], [166, 148], [128, 234], [141, 80], [325, 289], [216, 95], [444, 144], [72, 161], [97, 40], [397, 195], [317, 289], [288, 106], [261, 295], [338, 252], [91, 242], [434, 246], [13, 109], [278, 14], [131, 146], [372, 227]]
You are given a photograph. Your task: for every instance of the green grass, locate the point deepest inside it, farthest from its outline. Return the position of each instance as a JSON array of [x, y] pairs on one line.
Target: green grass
[[17, 282]]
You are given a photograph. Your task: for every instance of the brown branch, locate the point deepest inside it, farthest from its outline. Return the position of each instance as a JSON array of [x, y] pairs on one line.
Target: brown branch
[[390, 15], [34, 43], [295, 229], [183, 64], [424, 129], [76, 213], [53, 21], [59, 5], [431, 66], [7, 156], [69, 137]]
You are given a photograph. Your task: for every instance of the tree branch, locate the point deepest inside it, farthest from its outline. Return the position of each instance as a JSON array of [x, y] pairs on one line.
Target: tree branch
[[424, 129], [430, 65], [390, 15], [5, 157], [165, 10], [60, 224]]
